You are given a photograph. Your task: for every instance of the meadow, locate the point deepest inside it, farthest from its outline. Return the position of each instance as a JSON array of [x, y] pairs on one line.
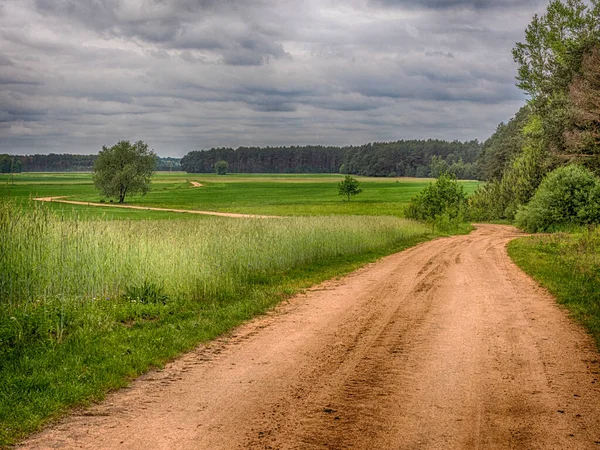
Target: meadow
[[91, 297], [269, 194]]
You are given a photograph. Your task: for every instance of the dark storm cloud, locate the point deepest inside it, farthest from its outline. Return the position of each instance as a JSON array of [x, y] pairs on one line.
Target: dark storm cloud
[[185, 74]]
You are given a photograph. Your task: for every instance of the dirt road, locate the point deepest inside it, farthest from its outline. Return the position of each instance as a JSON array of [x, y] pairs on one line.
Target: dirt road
[[444, 346], [151, 208]]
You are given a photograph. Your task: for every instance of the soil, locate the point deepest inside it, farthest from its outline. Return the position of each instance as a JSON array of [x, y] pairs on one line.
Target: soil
[[196, 184], [149, 208], [447, 345]]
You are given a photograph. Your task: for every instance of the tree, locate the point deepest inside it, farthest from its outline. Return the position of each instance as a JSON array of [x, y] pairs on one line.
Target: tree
[[221, 167], [444, 196], [551, 56], [349, 186], [9, 164], [124, 168], [438, 166], [583, 141]]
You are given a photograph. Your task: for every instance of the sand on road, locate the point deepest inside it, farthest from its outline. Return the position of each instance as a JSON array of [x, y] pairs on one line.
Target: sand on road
[[447, 345]]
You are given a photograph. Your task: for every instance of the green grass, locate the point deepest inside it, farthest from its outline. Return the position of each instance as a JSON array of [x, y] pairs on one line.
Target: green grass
[[568, 265], [271, 194]]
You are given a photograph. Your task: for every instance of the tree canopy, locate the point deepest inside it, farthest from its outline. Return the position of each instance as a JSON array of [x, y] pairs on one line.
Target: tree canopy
[[221, 167], [123, 169], [349, 187]]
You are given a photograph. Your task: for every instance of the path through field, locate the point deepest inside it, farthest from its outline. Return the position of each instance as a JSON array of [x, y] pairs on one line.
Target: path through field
[[150, 208], [447, 345]]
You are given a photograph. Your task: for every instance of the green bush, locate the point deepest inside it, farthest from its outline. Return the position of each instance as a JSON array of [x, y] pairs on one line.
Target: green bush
[[568, 195], [442, 201]]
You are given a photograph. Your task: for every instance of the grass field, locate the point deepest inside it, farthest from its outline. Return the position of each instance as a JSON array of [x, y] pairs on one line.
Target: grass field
[[272, 194], [568, 265], [89, 301]]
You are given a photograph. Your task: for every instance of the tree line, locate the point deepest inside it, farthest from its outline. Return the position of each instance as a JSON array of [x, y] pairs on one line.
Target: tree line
[[54, 162], [410, 158]]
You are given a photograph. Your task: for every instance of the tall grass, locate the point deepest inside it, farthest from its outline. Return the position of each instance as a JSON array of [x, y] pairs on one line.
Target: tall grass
[[86, 304], [45, 256]]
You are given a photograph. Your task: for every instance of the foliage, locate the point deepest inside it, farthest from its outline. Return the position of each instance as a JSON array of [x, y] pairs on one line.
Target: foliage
[[501, 198], [568, 195], [503, 146], [10, 164], [349, 187], [438, 166], [550, 57], [124, 169], [444, 199], [405, 158], [221, 167], [583, 140], [66, 162]]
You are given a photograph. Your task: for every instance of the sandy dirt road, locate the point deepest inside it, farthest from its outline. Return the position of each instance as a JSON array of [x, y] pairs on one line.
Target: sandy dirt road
[[447, 345], [151, 208]]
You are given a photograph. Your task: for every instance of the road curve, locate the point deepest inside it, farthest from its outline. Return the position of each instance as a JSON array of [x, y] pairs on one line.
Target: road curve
[[447, 345]]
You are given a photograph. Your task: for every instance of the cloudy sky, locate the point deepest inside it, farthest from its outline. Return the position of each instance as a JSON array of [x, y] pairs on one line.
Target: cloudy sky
[[193, 74]]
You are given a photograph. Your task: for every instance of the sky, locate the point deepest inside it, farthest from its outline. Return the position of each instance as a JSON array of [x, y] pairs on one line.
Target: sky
[[183, 75]]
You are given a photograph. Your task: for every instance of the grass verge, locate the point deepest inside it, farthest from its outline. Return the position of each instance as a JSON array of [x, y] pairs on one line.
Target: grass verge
[[88, 305], [568, 265]]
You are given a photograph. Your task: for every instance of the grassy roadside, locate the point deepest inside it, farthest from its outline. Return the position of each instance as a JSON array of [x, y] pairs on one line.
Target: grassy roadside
[[69, 332], [568, 265]]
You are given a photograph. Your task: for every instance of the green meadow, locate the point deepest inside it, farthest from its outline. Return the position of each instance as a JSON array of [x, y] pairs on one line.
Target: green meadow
[[91, 297], [270, 194]]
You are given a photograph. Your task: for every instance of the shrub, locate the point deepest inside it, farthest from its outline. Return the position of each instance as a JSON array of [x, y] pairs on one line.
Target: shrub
[[568, 195], [444, 197]]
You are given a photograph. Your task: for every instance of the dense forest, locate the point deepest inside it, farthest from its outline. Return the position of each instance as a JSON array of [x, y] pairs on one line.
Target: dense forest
[[65, 163], [401, 158]]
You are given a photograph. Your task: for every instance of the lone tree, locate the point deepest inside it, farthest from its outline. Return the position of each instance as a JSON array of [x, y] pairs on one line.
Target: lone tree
[[221, 167], [124, 168], [349, 187]]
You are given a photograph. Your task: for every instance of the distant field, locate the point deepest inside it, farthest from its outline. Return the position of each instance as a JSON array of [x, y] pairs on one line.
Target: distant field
[[272, 194]]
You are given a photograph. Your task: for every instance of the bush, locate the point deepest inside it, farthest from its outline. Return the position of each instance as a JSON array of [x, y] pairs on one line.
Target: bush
[[568, 195], [221, 167], [443, 198]]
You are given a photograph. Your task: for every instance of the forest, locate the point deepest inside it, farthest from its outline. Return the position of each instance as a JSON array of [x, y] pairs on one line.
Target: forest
[[65, 162], [408, 158]]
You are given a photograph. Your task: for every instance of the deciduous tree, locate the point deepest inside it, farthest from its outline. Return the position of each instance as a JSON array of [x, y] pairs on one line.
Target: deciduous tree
[[349, 186], [124, 168]]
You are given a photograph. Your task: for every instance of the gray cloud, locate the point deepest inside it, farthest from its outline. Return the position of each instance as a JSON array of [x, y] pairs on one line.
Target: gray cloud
[[186, 74], [462, 4]]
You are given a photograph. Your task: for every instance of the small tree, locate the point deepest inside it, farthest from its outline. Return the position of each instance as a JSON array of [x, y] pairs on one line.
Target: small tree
[[443, 197], [221, 167], [349, 187], [123, 169]]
